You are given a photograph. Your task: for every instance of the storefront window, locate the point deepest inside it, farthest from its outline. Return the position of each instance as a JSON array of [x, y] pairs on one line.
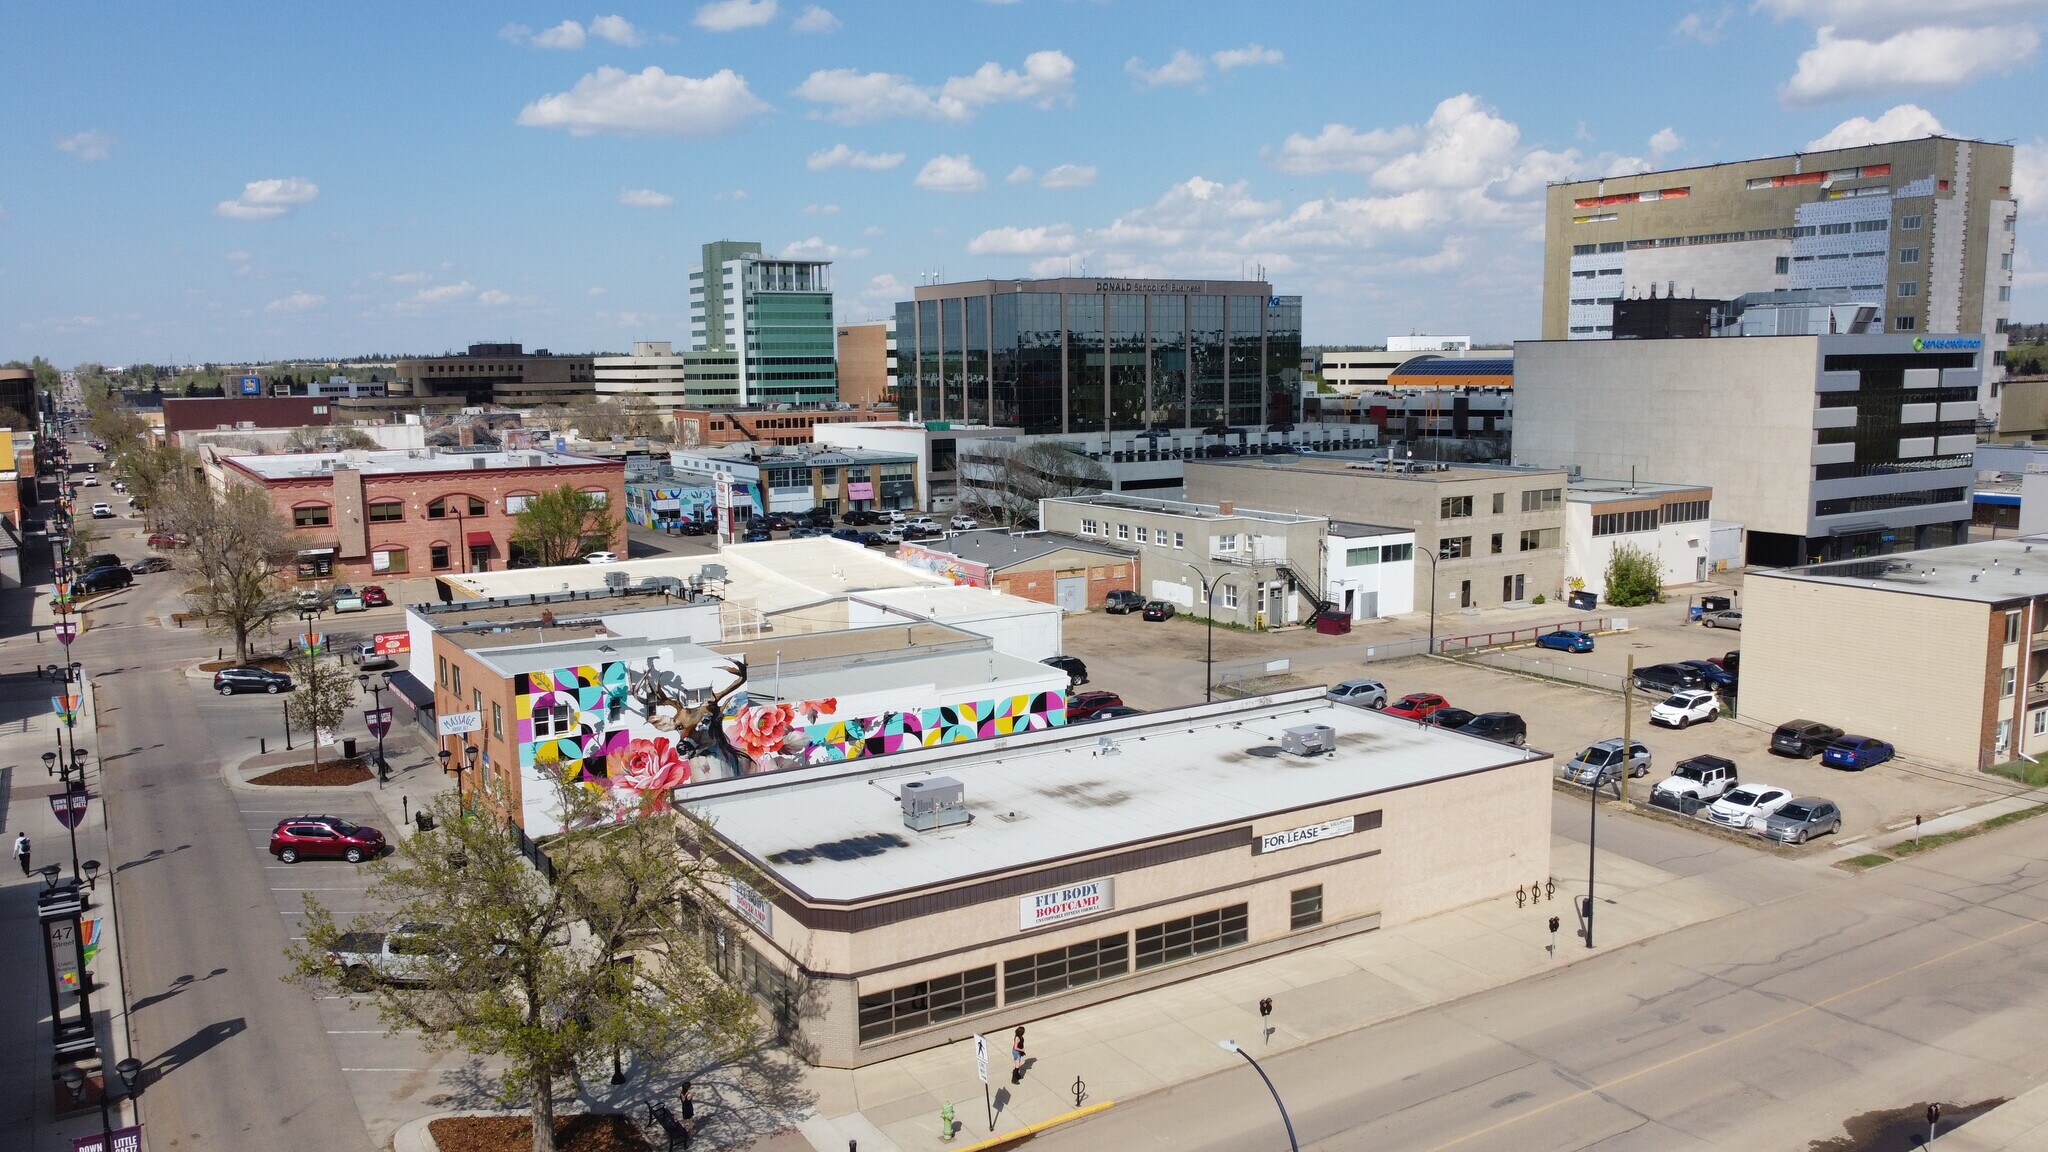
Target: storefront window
[[1045, 973], [1192, 936], [927, 1002]]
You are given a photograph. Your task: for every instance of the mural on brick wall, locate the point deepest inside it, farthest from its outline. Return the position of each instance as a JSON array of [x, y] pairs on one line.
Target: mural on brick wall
[[945, 564]]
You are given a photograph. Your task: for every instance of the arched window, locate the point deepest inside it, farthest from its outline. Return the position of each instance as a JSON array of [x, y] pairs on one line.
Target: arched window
[[442, 507], [386, 511], [312, 515], [516, 502], [598, 494]]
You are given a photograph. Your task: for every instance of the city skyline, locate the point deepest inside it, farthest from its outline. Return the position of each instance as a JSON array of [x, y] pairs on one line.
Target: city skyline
[[388, 180]]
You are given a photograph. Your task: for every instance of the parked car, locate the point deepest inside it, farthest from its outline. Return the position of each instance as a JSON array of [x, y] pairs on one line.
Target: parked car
[[150, 564], [857, 516], [411, 953], [965, 523], [1667, 678], [1803, 738], [1684, 709], [1452, 717], [1747, 805], [346, 600], [890, 534], [310, 599], [1077, 672], [1600, 763], [600, 557], [1501, 727], [369, 659], [780, 522], [100, 560], [1417, 705], [324, 837], [1699, 778], [850, 535], [922, 523], [1730, 618], [103, 511], [1082, 705], [1123, 602], [804, 531], [690, 528], [1713, 675], [1565, 640], [1158, 610], [241, 678], [107, 579], [1858, 752], [375, 596], [1363, 693], [1114, 712], [165, 540], [89, 481], [757, 535], [1801, 819]]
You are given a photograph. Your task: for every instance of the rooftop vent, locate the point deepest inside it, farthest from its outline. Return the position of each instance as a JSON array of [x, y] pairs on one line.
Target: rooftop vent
[[938, 802], [617, 581], [1309, 740]]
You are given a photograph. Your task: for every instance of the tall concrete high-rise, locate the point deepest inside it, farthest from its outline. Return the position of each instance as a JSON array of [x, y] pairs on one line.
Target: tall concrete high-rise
[[761, 329]]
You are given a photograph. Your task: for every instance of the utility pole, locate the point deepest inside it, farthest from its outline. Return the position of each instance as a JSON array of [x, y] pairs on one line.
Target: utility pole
[[1628, 712]]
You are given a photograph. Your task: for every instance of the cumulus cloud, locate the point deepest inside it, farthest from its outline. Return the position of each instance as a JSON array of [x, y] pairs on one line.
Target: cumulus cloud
[[268, 199], [1180, 69], [647, 103], [851, 97], [1021, 174], [1342, 147], [1883, 17], [1937, 57], [296, 302], [733, 15], [566, 36], [842, 156], [2030, 172], [91, 144], [1247, 56], [439, 295], [815, 248], [492, 298], [1039, 241], [815, 19], [1901, 122], [616, 29], [1665, 141], [644, 198], [951, 174], [1069, 176], [1705, 27], [821, 209]]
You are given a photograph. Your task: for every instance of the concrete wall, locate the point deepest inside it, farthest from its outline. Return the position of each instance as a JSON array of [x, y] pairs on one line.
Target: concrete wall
[[1679, 548], [1391, 581]]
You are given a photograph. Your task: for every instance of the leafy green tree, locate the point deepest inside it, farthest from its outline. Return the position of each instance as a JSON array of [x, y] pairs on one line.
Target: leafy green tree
[[557, 526], [115, 424], [239, 549], [322, 693], [548, 977], [1633, 577]]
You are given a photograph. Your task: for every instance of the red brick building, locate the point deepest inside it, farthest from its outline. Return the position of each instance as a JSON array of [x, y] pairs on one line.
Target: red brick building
[[365, 515], [710, 427], [1048, 567], [205, 413]]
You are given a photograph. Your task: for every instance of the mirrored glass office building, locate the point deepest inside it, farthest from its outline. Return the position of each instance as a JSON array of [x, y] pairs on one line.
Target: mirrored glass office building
[[1082, 355]]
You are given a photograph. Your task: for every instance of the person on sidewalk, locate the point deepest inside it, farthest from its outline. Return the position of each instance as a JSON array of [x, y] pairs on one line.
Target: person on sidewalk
[[1017, 1057], [21, 851], [689, 1116]]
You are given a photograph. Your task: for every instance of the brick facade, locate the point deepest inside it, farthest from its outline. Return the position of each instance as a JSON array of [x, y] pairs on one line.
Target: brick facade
[[382, 524], [206, 413], [1039, 583]]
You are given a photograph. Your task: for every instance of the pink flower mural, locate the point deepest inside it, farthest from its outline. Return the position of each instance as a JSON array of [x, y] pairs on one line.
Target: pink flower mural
[[650, 769], [763, 733]]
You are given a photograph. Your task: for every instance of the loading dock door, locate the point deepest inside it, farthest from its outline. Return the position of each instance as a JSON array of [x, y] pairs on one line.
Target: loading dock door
[[1071, 593]]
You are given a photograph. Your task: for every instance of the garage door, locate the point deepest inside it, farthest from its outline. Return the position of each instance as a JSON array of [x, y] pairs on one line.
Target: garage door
[[1071, 593]]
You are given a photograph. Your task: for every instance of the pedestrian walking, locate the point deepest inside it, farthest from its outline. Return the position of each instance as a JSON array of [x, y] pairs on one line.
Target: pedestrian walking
[[1017, 1057], [21, 851], [689, 1115]]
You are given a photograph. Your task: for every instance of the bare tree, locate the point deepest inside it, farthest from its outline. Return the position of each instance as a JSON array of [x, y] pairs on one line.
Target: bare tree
[[322, 691], [328, 438], [151, 471], [239, 551], [1005, 480]]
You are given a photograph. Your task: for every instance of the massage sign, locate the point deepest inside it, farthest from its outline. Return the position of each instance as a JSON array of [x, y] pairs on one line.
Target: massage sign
[[1072, 902]]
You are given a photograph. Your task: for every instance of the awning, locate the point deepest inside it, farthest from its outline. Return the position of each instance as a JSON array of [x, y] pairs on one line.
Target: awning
[[478, 539], [316, 551], [409, 687]]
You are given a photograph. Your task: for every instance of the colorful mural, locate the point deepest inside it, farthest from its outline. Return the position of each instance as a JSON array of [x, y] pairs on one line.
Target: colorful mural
[[888, 732], [940, 563], [577, 744]]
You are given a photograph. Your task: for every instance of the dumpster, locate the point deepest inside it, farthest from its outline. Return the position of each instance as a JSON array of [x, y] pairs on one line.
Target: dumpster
[[1714, 603], [1582, 601], [1333, 625]]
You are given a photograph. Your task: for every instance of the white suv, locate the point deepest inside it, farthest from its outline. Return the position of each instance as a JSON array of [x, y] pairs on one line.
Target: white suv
[[1749, 805], [1364, 693], [965, 523], [1681, 709]]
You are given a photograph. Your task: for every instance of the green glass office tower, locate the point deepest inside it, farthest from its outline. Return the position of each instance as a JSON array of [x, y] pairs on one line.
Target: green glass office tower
[[761, 329]]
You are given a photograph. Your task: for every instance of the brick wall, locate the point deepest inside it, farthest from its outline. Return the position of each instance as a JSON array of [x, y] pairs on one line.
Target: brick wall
[[1040, 584], [205, 413]]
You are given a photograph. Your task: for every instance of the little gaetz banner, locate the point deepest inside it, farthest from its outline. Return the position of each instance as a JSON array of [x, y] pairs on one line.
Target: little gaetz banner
[[1296, 837], [1069, 903]]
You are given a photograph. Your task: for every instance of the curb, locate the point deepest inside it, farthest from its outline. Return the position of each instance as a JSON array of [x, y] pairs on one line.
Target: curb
[[1034, 1129]]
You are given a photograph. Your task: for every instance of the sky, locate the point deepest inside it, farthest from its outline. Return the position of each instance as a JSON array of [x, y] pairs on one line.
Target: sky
[[229, 182]]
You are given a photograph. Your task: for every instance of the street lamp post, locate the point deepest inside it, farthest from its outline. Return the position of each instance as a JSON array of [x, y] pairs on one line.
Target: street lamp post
[[1431, 553], [378, 722], [130, 1072], [1209, 609], [1232, 1046]]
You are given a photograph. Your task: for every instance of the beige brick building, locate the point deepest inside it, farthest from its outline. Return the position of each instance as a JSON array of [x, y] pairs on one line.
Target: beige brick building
[[1261, 569]]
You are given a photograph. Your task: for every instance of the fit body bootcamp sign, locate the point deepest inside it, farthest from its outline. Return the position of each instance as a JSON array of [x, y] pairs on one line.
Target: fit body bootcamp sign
[[1071, 902]]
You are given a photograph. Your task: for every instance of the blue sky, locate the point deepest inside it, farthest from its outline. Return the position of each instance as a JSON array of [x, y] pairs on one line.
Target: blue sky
[[229, 181]]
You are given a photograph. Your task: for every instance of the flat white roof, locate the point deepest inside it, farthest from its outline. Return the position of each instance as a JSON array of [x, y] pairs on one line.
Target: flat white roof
[[957, 602], [1987, 571], [835, 833]]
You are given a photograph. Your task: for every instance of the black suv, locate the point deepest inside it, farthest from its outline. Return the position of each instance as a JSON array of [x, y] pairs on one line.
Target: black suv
[[1123, 602], [1505, 727], [101, 560], [1668, 678], [105, 579], [229, 681], [1803, 738], [1077, 672]]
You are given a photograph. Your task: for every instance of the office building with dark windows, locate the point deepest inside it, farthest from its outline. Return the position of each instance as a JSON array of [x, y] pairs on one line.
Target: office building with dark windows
[[1074, 355], [761, 330]]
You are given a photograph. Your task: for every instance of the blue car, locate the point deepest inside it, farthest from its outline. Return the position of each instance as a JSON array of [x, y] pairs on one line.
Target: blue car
[[1713, 674], [1857, 752], [1566, 641]]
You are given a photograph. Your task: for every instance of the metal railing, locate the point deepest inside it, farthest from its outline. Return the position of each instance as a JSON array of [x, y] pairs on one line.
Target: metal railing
[[1554, 668], [531, 850], [1509, 636]]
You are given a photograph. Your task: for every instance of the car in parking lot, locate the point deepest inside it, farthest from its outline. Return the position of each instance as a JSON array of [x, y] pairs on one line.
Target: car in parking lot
[[1123, 602], [165, 540], [299, 838], [1600, 762], [600, 557], [1749, 804], [1114, 712], [1501, 727], [1363, 693], [103, 511], [1858, 752], [150, 564], [1082, 705], [1667, 678], [1801, 819], [1452, 717], [100, 560], [965, 523], [310, 599], [690, 528], [1565, 640], [1727, 618], [106, 579], [1696, 779], [1712, 675], [850, 535], [1684, 709], [241, 678], [1417, 705], [1076, 670], [1157, 610], [346, 600], [374, 596], [1803, 738]]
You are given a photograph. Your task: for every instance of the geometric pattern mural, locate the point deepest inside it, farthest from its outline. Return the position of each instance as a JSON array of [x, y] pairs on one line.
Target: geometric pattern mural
[[849, 739], [596, 697]]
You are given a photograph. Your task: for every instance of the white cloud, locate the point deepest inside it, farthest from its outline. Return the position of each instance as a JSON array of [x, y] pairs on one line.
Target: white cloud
[[296, 302], [567, 36], [842, 156], [1339, 146], [1464, 144], [1069, 176], [91, 144], [815, 248], [441, 294], [410, 277], [1705, 27], [1666, 140], [616, 29], [1901, 122], [815, 19], [594, 290], [268, 199], [1021, 174], [644, 198], [1246, 57], [647, 103], [951, 174], [872, 230], [492, 298], [854, 97], [2030, 172], [878, 298], [733, 15], [1039, 241], [1181, 69], [821, 209], [1934, 57], [1884, 17]]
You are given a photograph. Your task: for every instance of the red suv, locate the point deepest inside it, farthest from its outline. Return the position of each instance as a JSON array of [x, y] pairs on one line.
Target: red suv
[[1417, 705], [1082, 705], [330, 837], [374, 596]]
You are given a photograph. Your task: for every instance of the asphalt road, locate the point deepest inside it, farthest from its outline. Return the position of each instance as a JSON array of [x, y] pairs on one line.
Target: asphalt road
[[1767, 1029]]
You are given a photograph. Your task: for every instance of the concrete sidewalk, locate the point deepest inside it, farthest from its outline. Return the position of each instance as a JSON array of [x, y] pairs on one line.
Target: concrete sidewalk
[[2018, 1125], [1951, 822], [1167, 1036]]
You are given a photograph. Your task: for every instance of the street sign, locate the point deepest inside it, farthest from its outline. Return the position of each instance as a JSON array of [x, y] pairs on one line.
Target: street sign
[[458, 723], [127, 1139], [981, 1057], [67, 631], [378, 721], [69, 808]]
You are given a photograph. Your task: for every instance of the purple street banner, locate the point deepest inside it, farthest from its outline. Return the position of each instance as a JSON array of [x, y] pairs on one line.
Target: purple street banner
[[69, 808], [378, 721], [67, 631], [127, 1139]]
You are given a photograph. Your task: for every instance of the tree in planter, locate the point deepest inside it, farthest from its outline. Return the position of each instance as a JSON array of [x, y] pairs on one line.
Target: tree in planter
[[238, 551], [322, 693], [549, 977], [555, 526], [1633, 577]]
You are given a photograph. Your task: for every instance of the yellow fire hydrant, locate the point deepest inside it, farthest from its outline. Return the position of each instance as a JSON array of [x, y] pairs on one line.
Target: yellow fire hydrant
[[946, 1121]]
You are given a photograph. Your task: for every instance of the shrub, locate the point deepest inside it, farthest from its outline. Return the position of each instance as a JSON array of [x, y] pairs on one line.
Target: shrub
[[1632, 578]]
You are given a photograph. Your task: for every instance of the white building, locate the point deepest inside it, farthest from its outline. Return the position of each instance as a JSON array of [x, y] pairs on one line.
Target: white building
[[1353, 370], [1369, 570], [652, 375], [1668, 521]]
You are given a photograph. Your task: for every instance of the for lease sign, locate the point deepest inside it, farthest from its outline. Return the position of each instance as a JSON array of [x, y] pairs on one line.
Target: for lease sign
[[1068, 903], [1296, 837]]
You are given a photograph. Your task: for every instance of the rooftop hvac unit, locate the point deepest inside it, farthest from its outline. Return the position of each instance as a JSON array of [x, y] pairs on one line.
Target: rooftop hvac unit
[[713, 571], [1309, 740], [938, 802], [617, 581]]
